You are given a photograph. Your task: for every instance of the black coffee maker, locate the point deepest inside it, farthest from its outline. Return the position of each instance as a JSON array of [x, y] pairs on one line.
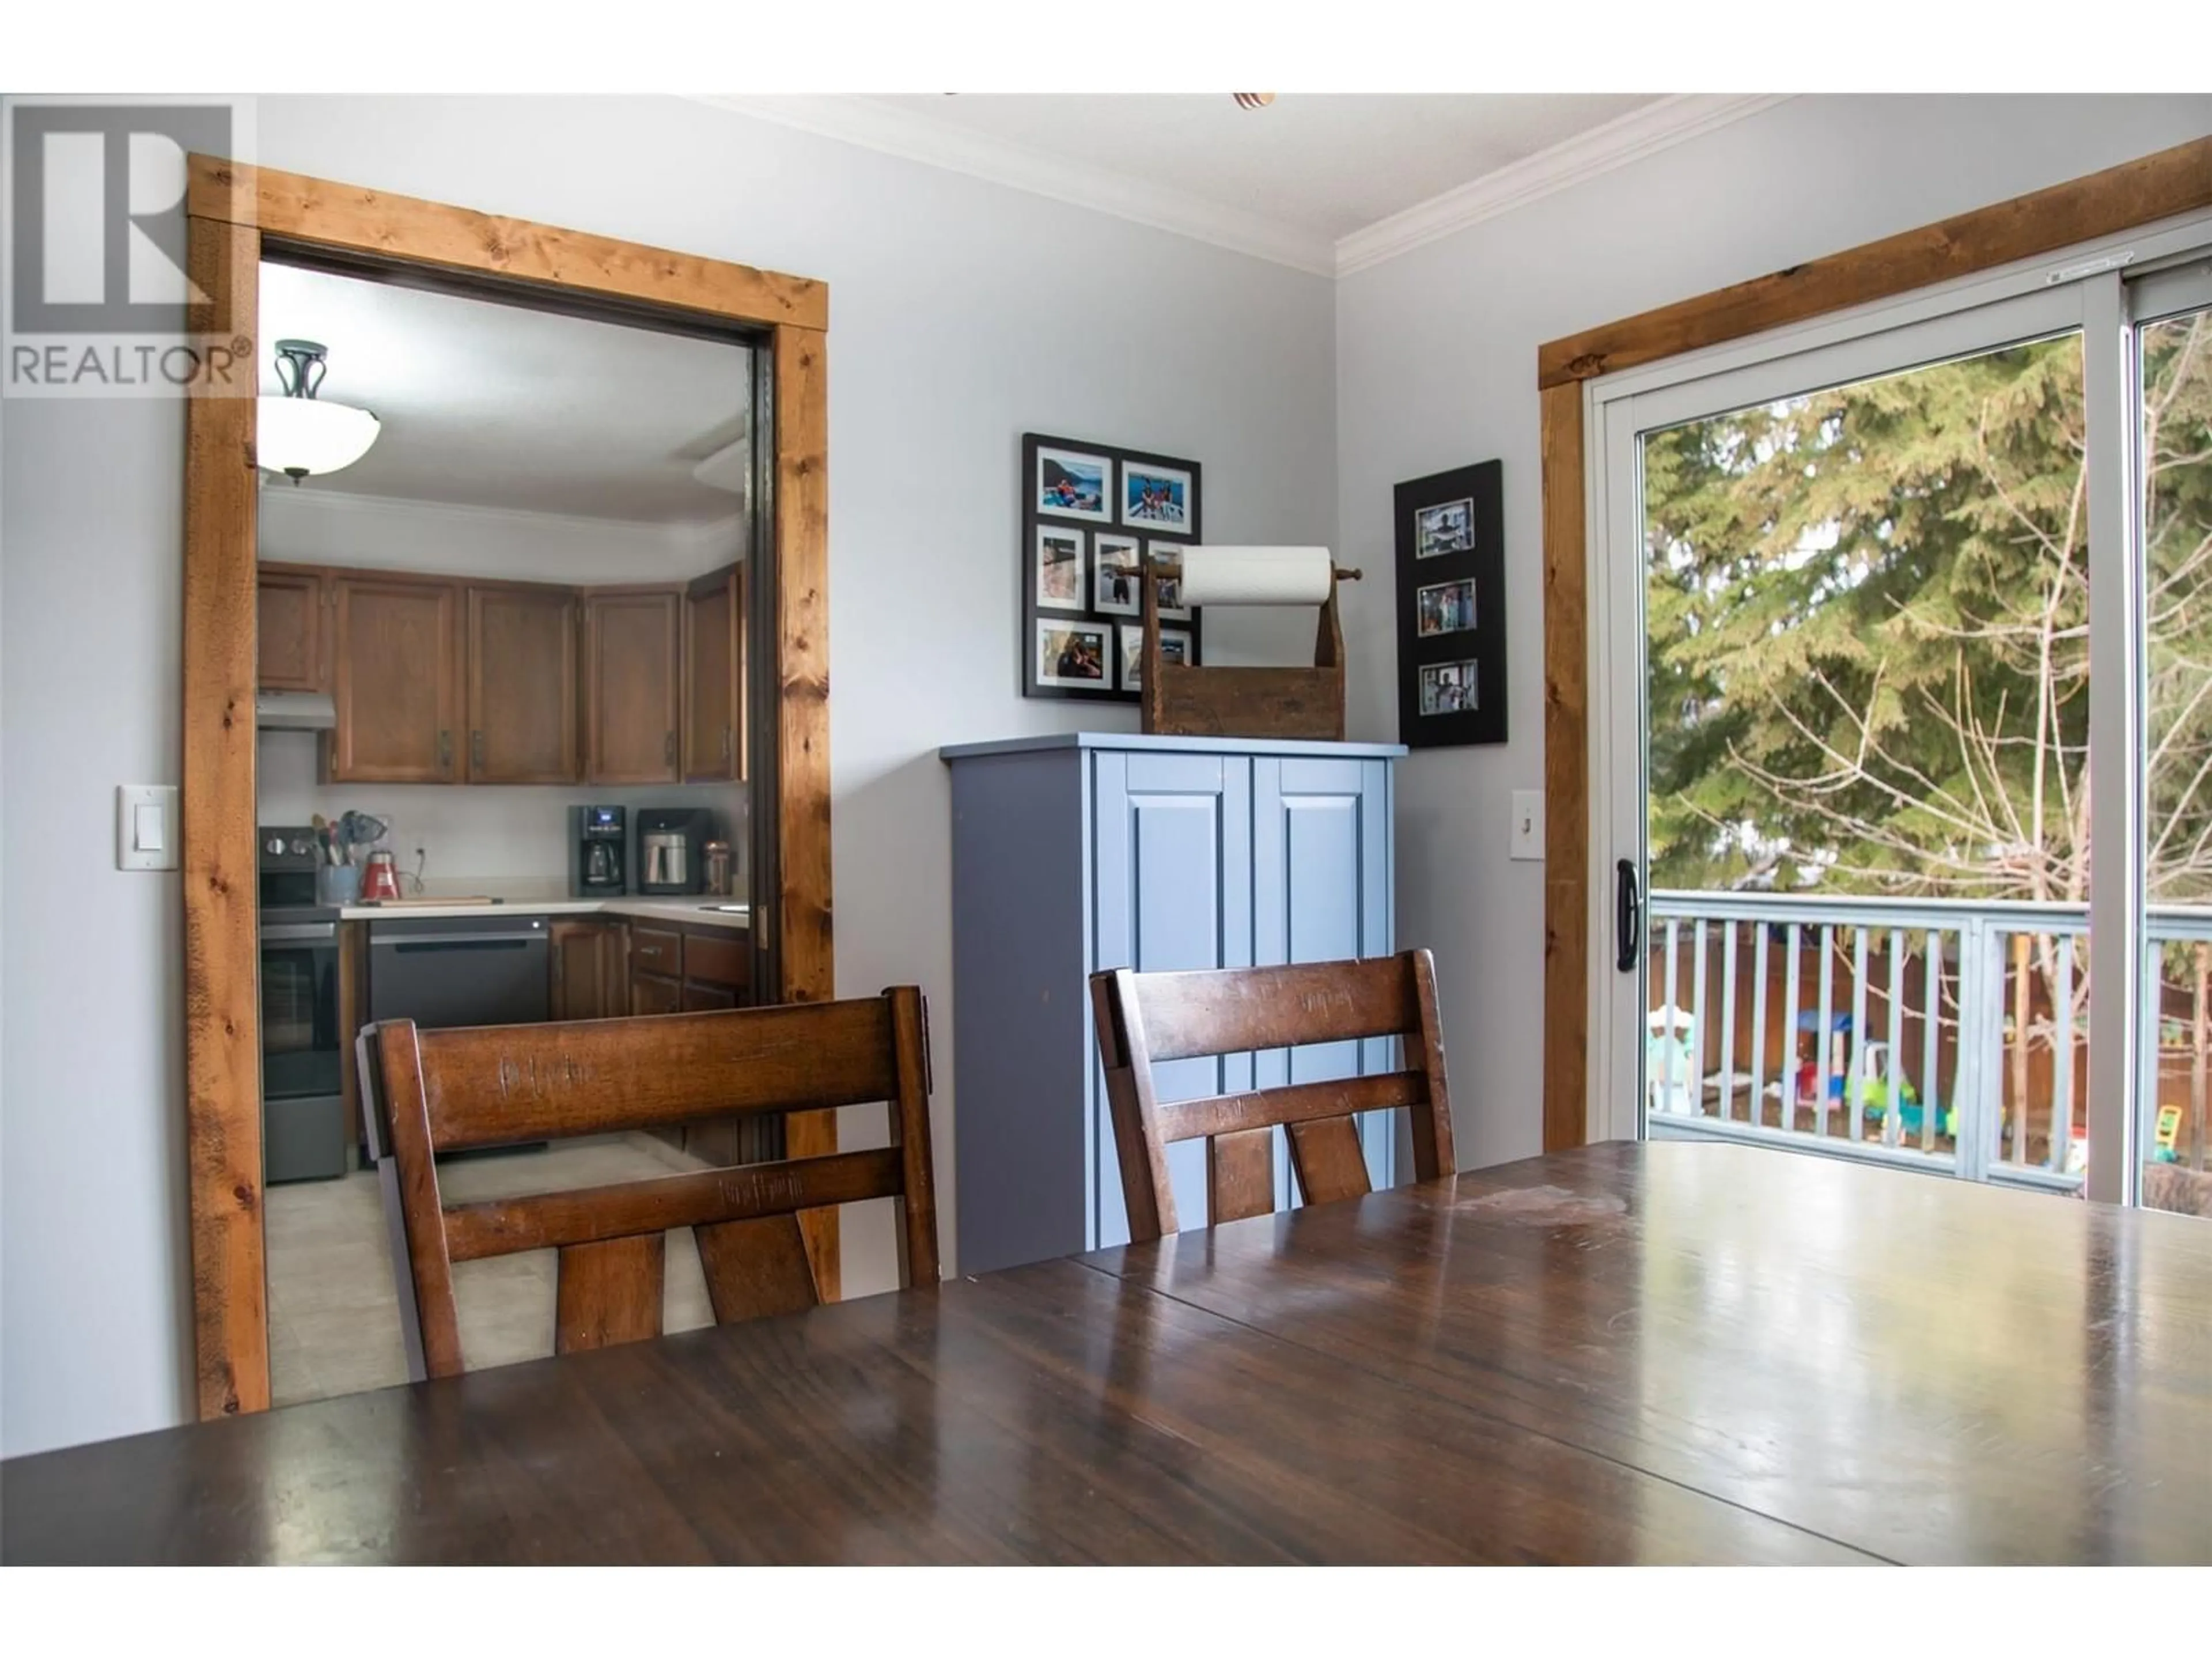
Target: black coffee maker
[[599, 845], [671, 848]]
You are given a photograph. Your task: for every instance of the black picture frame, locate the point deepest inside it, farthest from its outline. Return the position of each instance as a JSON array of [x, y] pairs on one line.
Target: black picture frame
[[1451, 582], [1047, 530]]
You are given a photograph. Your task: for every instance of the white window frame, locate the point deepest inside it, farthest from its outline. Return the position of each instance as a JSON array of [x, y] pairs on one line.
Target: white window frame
[[2087, 287]]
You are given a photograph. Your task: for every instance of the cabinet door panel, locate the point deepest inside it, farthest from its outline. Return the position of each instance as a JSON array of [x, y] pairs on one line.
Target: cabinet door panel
[[1174, 869], [649, 994], [396, 681], [290, 608], [631, 649], [714, 678], [588, 979], [522, 685], [1321, 887]]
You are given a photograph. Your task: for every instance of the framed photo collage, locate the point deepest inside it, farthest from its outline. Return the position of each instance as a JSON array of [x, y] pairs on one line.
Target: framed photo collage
[[1090, 513]]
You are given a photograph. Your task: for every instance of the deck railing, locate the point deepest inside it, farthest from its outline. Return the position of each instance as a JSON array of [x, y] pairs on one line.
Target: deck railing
[[1943, 1034]]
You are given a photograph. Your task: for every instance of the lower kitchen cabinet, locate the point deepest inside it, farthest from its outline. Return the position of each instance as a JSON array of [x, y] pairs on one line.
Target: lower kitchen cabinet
[[591, 979], [675, 969], [1094, 850], [652, 994]]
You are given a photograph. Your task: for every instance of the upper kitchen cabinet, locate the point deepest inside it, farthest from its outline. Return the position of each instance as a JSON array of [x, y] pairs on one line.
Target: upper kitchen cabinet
[[396, 680], [521, 657], [715, 678], [632, 702], [294, 653]]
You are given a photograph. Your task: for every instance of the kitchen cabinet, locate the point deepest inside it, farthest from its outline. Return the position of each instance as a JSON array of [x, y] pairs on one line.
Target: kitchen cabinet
[[291, 608], [396, 680], [655, 994], [1092, 850], [591, 974], [693, 970], [520, 650], [715, 678], [632, 652]]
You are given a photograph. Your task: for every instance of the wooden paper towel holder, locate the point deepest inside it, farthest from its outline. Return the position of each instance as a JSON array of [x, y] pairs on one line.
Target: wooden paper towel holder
[[1181, 701]]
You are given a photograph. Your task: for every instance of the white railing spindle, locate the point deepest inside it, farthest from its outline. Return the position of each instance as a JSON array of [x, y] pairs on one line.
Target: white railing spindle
[[1697, 1024], [1931, 1020], [1854, 1063], [1827, 1034], [2062, 1057], [1893, 1114], [1728, 1022], [1758, 1022], [1792, 943]]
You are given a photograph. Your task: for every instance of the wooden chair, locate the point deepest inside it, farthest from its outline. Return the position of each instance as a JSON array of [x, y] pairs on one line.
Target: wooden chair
[[1148, 1019], [446, 1090]]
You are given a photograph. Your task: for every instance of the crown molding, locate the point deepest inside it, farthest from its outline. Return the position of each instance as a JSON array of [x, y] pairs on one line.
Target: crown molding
[[1628, 139], [862, 121]]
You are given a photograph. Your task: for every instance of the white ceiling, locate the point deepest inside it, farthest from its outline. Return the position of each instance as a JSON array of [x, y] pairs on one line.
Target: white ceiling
[[1327, 182], [494, 405], [1329, 163]]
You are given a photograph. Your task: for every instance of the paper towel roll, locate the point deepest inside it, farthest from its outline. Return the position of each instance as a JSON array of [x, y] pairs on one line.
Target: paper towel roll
[[1256, 575]]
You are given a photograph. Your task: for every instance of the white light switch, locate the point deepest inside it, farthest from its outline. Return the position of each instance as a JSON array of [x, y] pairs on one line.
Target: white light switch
[[146, 826], [1528, 823]]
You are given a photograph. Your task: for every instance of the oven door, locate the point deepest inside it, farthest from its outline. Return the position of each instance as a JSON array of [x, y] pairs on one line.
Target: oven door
[[300, 1053]]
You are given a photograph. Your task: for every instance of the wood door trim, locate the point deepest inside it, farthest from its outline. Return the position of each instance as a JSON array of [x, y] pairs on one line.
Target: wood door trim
[[407, 230], [230, 207], [216, 857], [802, 724], [2138, 192]]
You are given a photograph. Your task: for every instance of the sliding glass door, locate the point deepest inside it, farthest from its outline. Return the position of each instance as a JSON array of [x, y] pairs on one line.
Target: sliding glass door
[[2173, 384], [1903, 618]]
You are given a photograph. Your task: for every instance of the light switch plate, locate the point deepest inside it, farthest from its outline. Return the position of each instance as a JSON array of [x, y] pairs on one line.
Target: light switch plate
[[1527, 824], [145, 826]]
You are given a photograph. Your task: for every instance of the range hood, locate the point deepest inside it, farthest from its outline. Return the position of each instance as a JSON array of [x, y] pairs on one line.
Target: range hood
[[294, 711]]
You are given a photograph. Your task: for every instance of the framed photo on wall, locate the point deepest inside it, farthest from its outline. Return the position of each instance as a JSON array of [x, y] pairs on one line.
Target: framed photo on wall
[[1092, 515], [1451, 608]]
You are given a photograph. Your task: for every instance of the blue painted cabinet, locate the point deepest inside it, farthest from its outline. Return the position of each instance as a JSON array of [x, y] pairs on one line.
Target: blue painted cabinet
[[1094, 850]]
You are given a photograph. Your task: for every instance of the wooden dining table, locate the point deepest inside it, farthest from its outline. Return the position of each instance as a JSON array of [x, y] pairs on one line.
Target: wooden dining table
[[1673, 1351]]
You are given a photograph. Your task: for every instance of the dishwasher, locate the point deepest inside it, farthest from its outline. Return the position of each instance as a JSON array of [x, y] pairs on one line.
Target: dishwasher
[[462, 970]]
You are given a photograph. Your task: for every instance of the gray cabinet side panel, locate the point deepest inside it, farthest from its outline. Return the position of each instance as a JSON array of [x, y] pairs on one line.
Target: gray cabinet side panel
[[1020, 1021]]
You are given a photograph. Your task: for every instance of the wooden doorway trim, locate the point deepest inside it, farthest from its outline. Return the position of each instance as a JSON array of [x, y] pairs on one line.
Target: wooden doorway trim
[[230, 208], [2118, 199]]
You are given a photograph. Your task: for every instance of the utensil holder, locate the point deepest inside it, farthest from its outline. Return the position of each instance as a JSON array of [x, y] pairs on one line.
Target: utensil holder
[[337, 883]]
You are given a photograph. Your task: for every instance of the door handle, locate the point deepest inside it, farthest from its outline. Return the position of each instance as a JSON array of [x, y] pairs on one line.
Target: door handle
[[476, 749], [668, 750], [1627, 915], [726, 745], [445, 751]]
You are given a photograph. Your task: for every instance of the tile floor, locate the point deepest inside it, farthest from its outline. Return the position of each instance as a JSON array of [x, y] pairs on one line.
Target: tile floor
[[334, 1317]]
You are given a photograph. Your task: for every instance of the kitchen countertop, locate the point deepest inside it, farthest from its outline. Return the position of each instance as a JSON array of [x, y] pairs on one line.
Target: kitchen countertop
[[678, 910]]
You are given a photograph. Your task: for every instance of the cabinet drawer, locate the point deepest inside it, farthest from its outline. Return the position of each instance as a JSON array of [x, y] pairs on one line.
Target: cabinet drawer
[[719, 959], [656, 950]]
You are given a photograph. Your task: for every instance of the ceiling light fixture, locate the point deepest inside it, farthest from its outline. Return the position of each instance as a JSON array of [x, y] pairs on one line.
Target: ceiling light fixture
[[1253, 100], [300, 434]]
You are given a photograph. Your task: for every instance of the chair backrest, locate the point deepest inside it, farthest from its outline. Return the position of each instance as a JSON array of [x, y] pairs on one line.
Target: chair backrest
[[1148, 1019], [447, 1090]]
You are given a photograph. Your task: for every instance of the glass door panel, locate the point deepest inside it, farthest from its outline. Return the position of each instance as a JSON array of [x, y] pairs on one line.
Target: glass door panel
[[1864, 746], [2174, 361]]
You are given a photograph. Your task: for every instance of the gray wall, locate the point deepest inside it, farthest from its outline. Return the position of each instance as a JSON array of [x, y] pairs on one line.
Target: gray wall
[[1436, 367], [963, 313]]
